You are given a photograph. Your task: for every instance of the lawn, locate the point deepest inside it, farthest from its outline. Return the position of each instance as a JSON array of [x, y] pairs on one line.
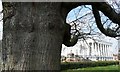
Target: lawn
[[112, 68]]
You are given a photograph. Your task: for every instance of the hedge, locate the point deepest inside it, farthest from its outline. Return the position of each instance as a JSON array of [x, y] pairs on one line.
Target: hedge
[[75, 65]]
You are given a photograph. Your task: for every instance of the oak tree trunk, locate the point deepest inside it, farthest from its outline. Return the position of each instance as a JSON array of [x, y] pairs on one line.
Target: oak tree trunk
[[32, 36]]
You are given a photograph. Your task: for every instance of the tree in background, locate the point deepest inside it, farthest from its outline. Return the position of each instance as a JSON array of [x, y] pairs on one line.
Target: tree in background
[[33, 33]]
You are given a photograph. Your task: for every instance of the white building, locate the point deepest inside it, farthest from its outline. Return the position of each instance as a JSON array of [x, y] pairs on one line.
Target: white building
[[90, 49], [119, 49]]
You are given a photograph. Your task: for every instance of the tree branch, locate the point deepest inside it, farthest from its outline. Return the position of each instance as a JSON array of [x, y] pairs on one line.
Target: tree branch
[[107, 32], [108, 11], [67, 39], [104, 7]]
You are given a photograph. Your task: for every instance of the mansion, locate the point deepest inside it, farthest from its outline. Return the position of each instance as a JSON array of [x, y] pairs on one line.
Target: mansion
[[90, 49]]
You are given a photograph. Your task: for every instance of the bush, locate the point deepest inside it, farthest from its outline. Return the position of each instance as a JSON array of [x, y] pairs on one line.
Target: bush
[[75, 65]]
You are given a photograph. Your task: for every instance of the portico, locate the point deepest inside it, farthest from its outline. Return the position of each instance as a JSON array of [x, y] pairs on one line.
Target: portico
[[93, 50]]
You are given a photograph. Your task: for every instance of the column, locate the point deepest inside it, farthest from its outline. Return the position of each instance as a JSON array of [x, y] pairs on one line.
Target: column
[[95, 47], [104, 51], [100, 48], [99, 51], [92, 49], [107, 52]]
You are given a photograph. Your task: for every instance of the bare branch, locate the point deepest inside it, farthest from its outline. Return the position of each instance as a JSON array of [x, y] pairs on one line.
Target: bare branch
[[107, 32], [108, 11], [117, 29], [105, 21], [87, 7], [104, 7]]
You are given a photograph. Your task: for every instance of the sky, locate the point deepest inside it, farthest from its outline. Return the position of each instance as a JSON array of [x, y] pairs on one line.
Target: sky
[[71, 17]]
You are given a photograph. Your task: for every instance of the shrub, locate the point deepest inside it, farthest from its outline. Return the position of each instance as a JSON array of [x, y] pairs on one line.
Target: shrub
[[75, 65]]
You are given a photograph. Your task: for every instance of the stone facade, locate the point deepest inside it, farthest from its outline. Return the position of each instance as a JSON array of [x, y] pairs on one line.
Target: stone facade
[[90, 49]]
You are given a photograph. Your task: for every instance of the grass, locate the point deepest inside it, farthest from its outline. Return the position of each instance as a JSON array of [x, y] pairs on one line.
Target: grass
[[111, 68]]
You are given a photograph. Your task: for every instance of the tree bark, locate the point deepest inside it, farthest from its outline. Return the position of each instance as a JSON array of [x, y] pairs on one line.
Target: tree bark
[[32, 37]]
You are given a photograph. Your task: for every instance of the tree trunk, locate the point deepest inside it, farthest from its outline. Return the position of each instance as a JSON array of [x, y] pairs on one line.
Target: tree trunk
[[32, 36]]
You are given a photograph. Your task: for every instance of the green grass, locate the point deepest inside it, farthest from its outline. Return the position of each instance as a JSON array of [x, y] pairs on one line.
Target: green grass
[[111, 68]]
